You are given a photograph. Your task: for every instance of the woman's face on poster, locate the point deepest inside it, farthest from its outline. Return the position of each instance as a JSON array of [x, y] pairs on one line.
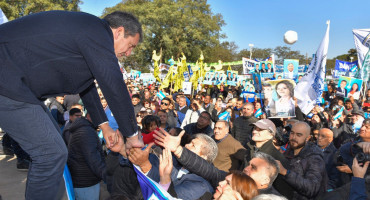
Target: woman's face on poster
[[354, 87], [258, 106], [283, 90]]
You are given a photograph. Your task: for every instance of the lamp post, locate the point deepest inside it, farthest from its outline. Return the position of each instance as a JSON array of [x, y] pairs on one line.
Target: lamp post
[[250, 51], [351, 58]]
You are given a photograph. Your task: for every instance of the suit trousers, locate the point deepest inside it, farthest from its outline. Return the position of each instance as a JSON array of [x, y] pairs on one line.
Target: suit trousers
[[33, 127]]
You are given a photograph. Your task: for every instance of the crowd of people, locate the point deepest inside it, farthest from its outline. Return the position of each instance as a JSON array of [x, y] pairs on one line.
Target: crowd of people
[[212, 144], [193, 154]]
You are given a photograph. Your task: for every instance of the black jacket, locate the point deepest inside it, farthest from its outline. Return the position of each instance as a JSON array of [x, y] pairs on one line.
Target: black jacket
[[85, 155], [342, 135], [208, 171], [57, 52], [192, 129], [307, 174], [242, 131], [330, 165]]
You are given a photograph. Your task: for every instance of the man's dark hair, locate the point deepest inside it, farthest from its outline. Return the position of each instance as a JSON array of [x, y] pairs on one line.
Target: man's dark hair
[[136, 96], [74, 111], [166, 99], [344, 81], [126, 20], [207, 113], [240, 99]]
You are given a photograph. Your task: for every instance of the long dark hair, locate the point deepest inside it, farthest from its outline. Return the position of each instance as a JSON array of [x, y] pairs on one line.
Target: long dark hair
[[289, 85]]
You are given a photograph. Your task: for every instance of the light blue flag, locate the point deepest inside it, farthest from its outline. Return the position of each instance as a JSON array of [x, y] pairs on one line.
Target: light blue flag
[[224, 116], [68, 183], [365, 70], [258, 113], [339, 113], [3, 18], [161, 95]]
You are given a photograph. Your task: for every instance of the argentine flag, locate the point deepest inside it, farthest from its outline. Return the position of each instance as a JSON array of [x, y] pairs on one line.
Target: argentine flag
[[224, 116], [150, 189], [258, 113], [161, 95]]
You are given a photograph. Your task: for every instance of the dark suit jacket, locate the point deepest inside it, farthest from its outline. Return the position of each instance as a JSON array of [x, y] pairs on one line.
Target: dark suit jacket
[[55, 53]]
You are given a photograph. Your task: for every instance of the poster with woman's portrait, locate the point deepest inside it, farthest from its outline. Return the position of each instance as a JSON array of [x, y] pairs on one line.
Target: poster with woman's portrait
[[279, 100], [349, 87]]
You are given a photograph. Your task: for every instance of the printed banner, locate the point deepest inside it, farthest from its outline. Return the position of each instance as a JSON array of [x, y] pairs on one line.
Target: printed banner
[[291, 69], [231, 77], [248, 65], [343, 68]]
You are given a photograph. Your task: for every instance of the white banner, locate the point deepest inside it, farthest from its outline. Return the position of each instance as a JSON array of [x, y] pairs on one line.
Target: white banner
[[311, 86], [248, 65]]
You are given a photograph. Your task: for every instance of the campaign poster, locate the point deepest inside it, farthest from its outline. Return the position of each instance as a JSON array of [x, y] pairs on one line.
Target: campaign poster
[[349, 87], [247, 86], [343, 68], [279, 76], [279, 98], [257, 82], [135, 75], [163, 66], [218, 78], [291, 69], [248, 65], [279, 68], [257, 67], [208, 78], [231, 77], [186, 87], [267, 67]]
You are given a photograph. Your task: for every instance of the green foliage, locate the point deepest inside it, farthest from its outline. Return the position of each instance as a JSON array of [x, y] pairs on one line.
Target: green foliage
[[175, 26], [14, 9]]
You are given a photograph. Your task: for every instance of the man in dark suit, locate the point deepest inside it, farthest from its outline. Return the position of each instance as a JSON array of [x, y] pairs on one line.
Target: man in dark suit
[[342, 91], [56, 53]]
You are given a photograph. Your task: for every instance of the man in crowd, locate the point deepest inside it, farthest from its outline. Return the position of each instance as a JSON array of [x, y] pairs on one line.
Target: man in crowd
[[231, 153], [136, 102], [74, 114], [164, 120], [182, 108], [86, 49], [207, 104], [242, 129], [57, 110], [172, 118], [307, 174], [237, 111], [262, 168], [325, 142], [203, 125]]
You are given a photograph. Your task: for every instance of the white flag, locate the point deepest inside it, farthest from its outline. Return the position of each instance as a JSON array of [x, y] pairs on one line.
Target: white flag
[[362, 42], [3, 18], [311, 86]]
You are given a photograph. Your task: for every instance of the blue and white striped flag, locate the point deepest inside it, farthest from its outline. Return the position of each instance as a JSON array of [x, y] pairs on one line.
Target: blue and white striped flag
[[3, 18], [362, 42], [150, 189], [161, 95], [339, 113], [224, 116], [258, 113]]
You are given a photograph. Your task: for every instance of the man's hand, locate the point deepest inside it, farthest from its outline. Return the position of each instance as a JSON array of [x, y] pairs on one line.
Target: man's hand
[[344, 169], [229, 194], [133, 142], [109, 134], [283, 171], [166, 140], [165, 166], [120, 145], [141, 157], [359, 171]]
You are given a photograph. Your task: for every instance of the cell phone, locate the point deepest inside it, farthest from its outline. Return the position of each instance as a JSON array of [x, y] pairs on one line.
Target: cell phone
[[310, 115]]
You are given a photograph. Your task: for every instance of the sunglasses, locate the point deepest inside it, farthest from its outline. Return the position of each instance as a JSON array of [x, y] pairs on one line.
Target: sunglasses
[[166, 104]]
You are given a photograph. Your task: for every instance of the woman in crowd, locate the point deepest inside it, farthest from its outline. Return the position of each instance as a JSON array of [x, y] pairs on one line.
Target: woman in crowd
[[354, 92], [236, 185]]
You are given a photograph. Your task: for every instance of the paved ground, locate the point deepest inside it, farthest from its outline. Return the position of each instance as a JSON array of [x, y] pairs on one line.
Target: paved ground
[[13, 182]]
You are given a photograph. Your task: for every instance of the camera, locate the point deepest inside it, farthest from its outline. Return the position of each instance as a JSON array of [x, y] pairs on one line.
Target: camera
[[362, 157], [282, 135]]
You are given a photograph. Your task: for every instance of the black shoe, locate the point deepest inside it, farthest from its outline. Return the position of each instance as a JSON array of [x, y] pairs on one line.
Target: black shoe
[[8, 151], [23, 165]]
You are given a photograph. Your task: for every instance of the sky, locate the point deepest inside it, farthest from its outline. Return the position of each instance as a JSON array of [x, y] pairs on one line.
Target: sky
[[264, 22]]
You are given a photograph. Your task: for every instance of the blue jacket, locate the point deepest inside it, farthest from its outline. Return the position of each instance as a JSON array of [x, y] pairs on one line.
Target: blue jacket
[[57, 52]]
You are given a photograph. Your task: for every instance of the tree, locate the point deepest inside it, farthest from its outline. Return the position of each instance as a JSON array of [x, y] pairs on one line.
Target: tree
[[14, 9], [175, 26], [257, 53]]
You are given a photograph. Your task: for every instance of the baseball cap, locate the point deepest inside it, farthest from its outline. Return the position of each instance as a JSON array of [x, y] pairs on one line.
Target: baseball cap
[[266, 124], [358, 112]]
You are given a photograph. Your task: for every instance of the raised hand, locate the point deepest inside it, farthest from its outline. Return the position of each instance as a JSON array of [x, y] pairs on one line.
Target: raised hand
[[120, 145], [359, 171], [166, 140], [140, 157], [109, 134], [165, 166], [133, 142]]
